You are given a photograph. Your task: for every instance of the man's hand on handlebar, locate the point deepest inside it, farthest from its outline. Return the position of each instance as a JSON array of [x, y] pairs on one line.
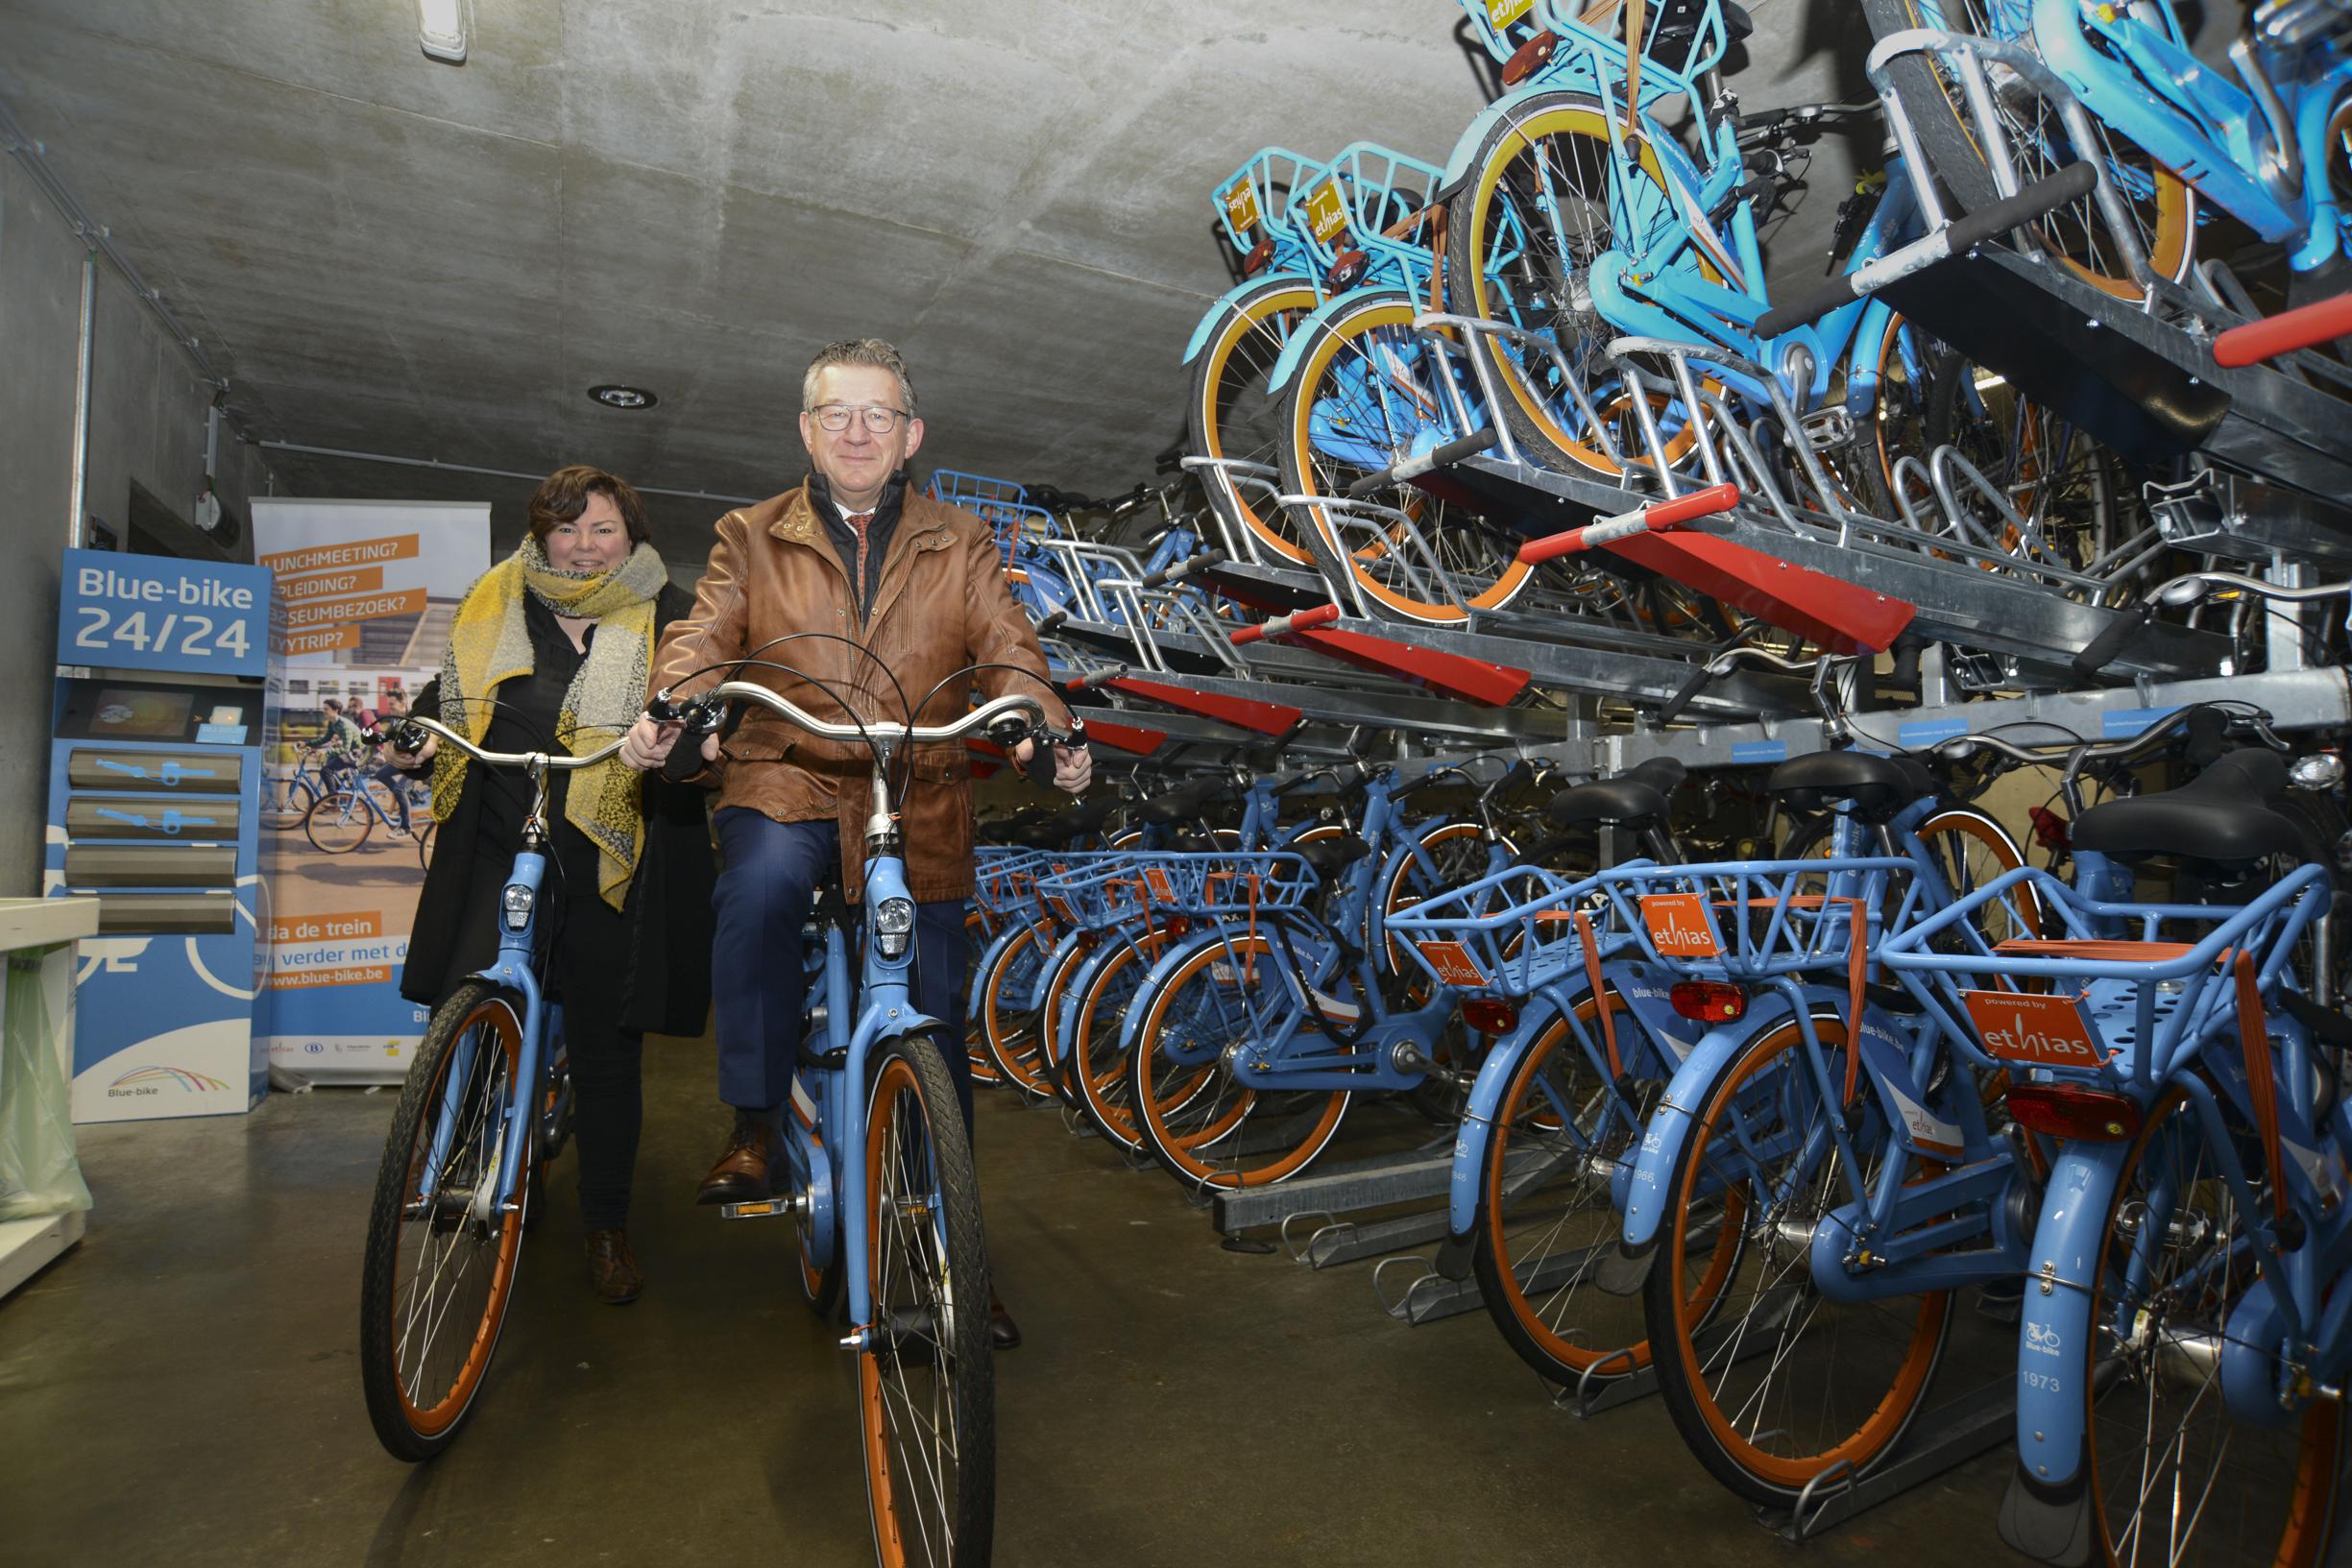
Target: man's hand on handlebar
[[1073, 765], [412, 762], [649, 742]]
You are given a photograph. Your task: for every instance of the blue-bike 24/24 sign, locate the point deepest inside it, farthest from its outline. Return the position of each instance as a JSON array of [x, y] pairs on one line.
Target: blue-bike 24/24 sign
[[155, 612]]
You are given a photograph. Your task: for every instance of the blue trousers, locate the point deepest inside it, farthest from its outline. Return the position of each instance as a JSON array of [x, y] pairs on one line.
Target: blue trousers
[[773, 873]]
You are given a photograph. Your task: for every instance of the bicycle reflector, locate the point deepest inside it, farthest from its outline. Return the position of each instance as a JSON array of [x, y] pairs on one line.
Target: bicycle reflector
[[2070, 1110], [1488, 1016], [514, 904], [1707, 1002], [894, 925]]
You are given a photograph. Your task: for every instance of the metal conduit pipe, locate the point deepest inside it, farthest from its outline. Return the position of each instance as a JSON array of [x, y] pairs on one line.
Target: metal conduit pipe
[[75, 490], [471, 468]]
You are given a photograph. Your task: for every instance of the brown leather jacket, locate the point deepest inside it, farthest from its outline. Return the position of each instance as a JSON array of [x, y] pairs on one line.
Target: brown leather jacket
[[941, 604]]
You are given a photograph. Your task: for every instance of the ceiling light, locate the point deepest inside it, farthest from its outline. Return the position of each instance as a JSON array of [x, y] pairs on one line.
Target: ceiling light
[[616, 396], [441, 27]]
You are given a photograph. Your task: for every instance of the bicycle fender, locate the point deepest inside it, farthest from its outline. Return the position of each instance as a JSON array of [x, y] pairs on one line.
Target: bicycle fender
[[983, 974], [1230, 300], [2047, 1511], [1670, 1129], [1148, 990], [1577, 84], [1486, 1097], [1315, 324]]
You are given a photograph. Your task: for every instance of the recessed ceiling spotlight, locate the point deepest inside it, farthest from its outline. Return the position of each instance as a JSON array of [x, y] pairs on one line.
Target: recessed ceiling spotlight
[[617, 397]]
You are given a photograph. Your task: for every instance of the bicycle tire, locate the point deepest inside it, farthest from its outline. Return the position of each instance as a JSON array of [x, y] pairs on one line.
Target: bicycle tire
[[2271, 1495], [1095, 1066], [1562, 1323], [1799, 1421], [1230, 415], [1223, 1134], [338, 822], [285, 802], [928, 1262], [975, 936], [478, 1032], [1009, 1032]]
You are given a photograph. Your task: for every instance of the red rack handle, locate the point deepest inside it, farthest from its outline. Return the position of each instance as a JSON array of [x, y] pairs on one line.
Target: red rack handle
[[2284, 333], [1652, 518], [1298, 621]]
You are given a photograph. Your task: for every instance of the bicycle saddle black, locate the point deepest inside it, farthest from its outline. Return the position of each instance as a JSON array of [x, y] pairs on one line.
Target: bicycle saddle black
[[1327, 855], [2221, 816], [1880, 786], [1181, 803], [1639, 794]]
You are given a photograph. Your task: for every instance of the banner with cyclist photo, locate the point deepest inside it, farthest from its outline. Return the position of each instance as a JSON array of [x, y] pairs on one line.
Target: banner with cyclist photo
[[370, 588]]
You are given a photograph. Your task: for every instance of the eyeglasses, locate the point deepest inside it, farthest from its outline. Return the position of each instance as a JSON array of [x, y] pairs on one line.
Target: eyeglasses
[[835, 417]]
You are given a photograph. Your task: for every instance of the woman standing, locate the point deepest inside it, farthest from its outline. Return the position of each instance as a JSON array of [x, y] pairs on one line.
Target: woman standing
[[559, 639]]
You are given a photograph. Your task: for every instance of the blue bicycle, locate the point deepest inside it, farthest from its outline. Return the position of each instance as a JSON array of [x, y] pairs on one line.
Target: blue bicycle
[[487, 1104], [882, 1192]]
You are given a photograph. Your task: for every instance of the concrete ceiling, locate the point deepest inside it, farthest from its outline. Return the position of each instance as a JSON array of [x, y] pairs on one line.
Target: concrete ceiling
[[394, 255]]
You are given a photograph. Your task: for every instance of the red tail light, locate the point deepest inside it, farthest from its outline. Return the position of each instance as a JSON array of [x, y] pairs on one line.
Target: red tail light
[[1488, 1016], [2070, 1110], [1175, 925], [1708, 1002]]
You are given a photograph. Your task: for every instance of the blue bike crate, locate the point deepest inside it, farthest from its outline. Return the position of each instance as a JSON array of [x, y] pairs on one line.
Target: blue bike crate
[[1217, 885], [1106, 893], [1755, 920], [2119, 995], [1511, 931]]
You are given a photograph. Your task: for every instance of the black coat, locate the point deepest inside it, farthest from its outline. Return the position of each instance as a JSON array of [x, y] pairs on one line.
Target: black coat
[[668, 907]]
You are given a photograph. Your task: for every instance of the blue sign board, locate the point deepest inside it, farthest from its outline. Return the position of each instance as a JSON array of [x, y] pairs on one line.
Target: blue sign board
[[156, 612], [1926, 731], [2122, 723], [1748, 752]]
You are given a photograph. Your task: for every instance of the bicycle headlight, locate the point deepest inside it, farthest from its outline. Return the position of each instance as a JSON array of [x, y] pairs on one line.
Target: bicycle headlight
[[894, 925], [514, 904]]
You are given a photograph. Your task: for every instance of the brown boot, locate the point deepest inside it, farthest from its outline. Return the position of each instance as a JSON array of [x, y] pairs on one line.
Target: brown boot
[[612, 1267], [744, 1171]]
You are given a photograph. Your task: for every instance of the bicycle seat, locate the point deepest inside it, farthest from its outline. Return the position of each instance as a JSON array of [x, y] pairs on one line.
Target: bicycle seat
[[2221, 816], [1181, 803], [1327, 855], [1639, 794], [1878, 786], [1088, 817]]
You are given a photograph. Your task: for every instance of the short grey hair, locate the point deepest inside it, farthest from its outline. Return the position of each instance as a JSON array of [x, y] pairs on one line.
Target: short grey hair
[[858, 351]]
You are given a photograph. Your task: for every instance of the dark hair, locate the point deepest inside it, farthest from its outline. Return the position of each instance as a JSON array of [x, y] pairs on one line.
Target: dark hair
[[563, 496], [332, 706]]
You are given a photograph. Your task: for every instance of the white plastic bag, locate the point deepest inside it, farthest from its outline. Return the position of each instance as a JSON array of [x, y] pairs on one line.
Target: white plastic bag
[[39, 1174]]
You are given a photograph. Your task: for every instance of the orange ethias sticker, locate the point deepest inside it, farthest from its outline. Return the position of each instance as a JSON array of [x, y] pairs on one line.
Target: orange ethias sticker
[[1452, 963], [1326, 211], [1157, 881], [2031, 1027], [1242, 207], [1678, 926]]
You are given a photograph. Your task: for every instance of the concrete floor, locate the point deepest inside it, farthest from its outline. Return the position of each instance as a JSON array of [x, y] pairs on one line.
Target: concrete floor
[[183, 1387]]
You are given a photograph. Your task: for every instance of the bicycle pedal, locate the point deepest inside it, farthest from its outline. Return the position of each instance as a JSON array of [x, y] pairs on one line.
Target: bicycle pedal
[[772, 1208]]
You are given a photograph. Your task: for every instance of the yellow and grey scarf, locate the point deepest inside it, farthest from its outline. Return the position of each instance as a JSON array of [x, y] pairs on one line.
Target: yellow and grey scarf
[[489, 642]]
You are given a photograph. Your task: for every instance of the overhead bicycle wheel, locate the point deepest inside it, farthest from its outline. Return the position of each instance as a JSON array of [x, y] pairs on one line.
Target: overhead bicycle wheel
[[285, 802], [926, 1382], [439, 1268], [1366, 394], [339, 821], [1542, 202], [1232, 415], [2174, 1476], [1008, 1029], [1222, 1133], [2161, 206], [1781, 1383], [1548, 1264]]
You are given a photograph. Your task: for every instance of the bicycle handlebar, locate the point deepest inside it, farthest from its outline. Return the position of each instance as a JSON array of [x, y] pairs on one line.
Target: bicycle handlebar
[[986, 716], [503, 759]]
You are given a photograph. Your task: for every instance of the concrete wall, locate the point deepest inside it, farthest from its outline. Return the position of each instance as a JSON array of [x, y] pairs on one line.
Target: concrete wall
[[147, 428]]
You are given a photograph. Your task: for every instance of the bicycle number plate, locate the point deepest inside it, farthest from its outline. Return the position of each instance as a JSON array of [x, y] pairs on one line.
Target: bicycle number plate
[[1678, 926], [1326, 212], [1452, 963], [1157, 881], [1503, 12], [1242, 207], [2031, 1027]]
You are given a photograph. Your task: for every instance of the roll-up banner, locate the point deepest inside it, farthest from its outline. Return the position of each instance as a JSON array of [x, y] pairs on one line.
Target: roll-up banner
[[370, 588]]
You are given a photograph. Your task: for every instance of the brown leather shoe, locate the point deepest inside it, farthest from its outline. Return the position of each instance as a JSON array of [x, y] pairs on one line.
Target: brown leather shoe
[[745, 1171], [612, 1272], [1003, 1332]]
